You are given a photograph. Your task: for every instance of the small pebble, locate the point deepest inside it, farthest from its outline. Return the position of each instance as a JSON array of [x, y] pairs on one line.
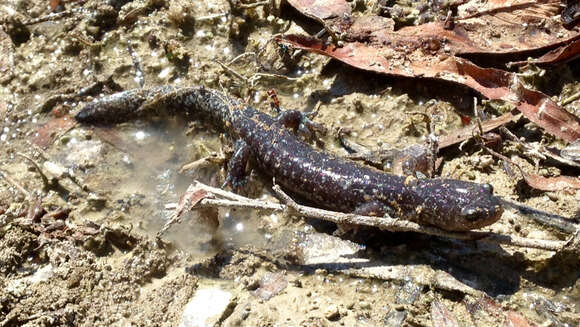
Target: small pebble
[[332, 313], [553, 196], [364, 305]]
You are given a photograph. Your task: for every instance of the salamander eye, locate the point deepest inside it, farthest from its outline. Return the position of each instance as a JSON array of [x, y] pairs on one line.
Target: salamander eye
[[471, 214], [487, 188]]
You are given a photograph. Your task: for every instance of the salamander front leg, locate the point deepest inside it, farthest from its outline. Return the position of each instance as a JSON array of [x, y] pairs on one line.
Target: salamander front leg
[[300, 123], [236, 176]]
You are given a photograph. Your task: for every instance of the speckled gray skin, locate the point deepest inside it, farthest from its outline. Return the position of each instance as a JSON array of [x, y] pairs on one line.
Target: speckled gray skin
[[330, 182]]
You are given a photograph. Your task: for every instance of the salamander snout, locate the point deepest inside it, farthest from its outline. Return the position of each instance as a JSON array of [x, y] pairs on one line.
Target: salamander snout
[[456, 205], [475, 213], [480, 207]]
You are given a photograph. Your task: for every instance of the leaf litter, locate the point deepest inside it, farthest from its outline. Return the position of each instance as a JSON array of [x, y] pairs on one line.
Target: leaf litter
[[433, 50], [103, 256]]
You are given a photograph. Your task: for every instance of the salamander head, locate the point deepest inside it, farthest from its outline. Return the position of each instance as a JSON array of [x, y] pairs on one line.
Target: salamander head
[[456, 205]]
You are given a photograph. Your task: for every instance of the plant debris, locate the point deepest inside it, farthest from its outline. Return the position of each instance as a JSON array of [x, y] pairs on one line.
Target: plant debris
[[432, 51]]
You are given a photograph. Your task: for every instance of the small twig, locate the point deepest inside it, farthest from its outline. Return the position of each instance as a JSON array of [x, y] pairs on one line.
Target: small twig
[[396, 225], [233, 72], [45, 179], [570, 99], [562, 223], [241, 56], [203, 162], [479, 116], [15, 184], [53, 16], [257, 76], [384, 223], [260, 205], [253, 5], [211, 17]]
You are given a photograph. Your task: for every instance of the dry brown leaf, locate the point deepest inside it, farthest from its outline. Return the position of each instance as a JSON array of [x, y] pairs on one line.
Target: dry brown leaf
[[462, 134], [553, 184], [499, 26], [515, 319], [441, 316], [48, 132], [491, 83], [560, 55], [428, 50]]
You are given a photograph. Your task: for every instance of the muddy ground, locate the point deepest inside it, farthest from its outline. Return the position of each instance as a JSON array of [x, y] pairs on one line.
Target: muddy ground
[[77, 241]]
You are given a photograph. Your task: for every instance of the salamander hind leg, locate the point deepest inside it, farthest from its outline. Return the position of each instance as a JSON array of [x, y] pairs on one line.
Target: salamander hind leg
[[300, 123], [236, 176]]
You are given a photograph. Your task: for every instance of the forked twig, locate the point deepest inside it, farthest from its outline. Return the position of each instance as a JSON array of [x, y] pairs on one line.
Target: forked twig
[[228, 199]]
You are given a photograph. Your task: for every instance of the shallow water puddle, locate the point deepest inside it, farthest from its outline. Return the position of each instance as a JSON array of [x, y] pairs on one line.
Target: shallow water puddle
[[136, 167]]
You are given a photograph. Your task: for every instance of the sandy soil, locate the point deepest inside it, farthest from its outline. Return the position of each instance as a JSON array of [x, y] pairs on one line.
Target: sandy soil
[[77, 242]]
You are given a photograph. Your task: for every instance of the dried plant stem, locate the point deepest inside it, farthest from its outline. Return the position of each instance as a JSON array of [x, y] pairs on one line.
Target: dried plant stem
[[398, 225], [14, 183], [570, 99], [213, 16], [252, 5], [260, 205], [231, 200]]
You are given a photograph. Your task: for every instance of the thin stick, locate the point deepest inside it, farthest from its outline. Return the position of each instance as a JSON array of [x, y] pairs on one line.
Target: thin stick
[[233, 72], [252, 5], [385, 223], [52, 16], [241, 56], [203, 162], [396, 225], [260, 205], [45, 179], [570, 99], [15, 184], [210, 17]]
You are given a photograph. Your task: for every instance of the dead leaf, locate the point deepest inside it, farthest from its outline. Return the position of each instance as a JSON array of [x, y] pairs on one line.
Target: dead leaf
[[553, 184], [498, 26], [491, 83], [55, 127], [189, 199], [441, 316], [560, 55], [54, 4], [515, 319], [429, 50], [462, 134], [271, 285]]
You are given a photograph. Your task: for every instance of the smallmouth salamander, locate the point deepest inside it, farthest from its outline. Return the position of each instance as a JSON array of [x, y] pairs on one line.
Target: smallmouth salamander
[[324, 179]]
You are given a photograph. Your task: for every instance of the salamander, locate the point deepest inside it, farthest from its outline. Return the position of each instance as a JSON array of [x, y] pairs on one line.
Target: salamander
[[324, 179]]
